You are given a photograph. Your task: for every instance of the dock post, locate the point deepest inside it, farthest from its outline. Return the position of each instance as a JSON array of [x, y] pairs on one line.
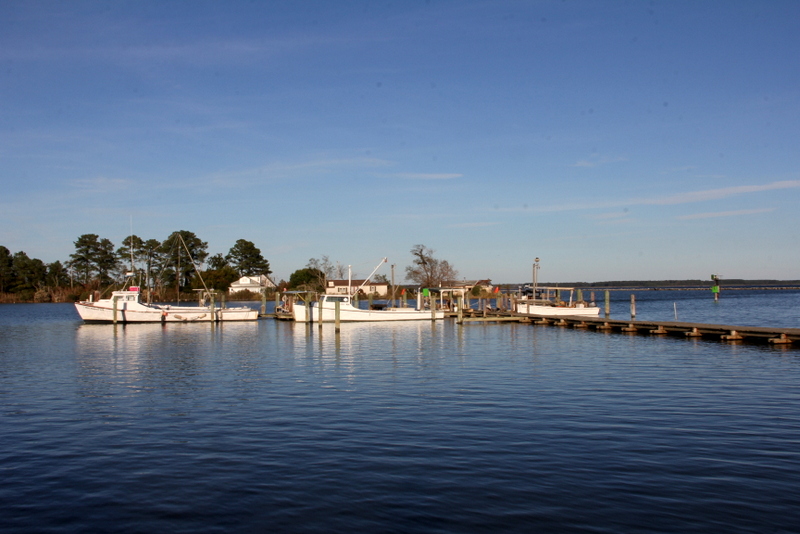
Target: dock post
[[433, 308], [579, 294], [460, 319], [213, 305], [608, 302], [369, 300], [782, 340], [263, 302], [337, 317], [114, 304], [633, 306], [733, 336], [319, 314]]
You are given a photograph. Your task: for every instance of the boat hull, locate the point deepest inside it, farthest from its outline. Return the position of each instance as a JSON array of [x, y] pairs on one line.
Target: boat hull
[[349, 313], [549, 311], [100, 312]]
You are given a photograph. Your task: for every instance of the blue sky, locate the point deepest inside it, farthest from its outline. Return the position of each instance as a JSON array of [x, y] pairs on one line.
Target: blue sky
[[614, 140]]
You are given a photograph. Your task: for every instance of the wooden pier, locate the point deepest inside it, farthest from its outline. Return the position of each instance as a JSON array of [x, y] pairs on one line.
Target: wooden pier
[[717, 332]]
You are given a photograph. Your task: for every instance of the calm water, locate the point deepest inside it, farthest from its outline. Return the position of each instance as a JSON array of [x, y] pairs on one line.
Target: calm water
[[278, 427]]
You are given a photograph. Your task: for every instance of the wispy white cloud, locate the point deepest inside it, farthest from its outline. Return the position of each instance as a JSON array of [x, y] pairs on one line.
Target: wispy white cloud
[[733, 213], [426, 176], [679, 198], [100, 184], [609, 216], [598, 161], [283, 170], [716, 194], [472, 225], [685, 168]]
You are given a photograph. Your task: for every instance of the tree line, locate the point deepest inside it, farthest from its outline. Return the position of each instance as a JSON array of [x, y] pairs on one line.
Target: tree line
[[165, 267], [178, 264]]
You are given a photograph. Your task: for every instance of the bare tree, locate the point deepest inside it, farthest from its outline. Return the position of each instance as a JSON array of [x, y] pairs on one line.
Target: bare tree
[[428, 271]]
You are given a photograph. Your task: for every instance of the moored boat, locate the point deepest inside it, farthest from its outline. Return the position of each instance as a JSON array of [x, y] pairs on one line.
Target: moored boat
[[549, 303], [126, 307], [324, 310]]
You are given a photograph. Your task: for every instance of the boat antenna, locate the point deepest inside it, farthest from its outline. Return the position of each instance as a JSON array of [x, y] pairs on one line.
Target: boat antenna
[[132, 272]]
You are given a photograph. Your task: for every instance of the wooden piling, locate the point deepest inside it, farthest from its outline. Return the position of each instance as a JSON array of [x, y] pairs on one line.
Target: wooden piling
[[733, 336], [633, 306], [608, 302], [694, 332], [337, 317], [783, 339]]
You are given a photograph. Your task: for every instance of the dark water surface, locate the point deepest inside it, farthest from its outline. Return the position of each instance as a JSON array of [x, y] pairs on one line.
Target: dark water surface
[[278, 427]]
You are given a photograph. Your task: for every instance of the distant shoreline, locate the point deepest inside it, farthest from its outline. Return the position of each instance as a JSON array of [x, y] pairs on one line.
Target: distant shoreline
[[668, 288], [677, 285]]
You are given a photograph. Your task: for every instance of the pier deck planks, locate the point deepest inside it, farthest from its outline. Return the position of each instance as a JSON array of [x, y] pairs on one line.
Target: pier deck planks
[[774, 335]]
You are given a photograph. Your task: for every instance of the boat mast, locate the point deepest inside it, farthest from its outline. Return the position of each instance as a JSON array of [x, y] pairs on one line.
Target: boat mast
[[384, 260]]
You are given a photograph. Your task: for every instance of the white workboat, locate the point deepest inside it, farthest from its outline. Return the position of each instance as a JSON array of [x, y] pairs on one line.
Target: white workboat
[[549, 303], [324, 311], [126, 307]]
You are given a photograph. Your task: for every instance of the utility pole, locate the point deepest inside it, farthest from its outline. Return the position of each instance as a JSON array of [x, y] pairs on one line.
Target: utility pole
[[393, 285]]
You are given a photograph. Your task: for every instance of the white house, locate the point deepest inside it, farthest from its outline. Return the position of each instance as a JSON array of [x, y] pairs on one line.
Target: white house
[[256, 284], [339, 287]]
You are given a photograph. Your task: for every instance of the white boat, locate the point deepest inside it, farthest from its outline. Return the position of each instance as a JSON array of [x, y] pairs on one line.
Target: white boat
[[324, 310], [126, 307], [550, 303]]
